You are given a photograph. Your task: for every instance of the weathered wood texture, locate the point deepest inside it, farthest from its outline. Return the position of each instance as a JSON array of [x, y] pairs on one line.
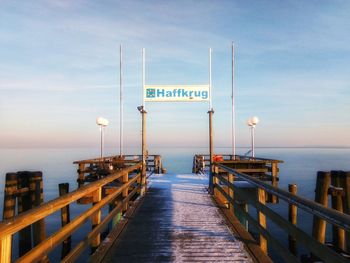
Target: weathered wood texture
[[292, 217], [65, 219], [321, 196], [27, 218], [177, 222], [317, 209]]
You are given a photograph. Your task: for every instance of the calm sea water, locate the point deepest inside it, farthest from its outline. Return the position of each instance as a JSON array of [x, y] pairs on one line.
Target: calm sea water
[[300, 166]]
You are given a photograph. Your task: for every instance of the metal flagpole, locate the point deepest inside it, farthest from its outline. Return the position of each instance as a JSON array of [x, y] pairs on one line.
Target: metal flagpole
[[211, 133], [210, 103], [121, 139], [143, 78], [233, 106]]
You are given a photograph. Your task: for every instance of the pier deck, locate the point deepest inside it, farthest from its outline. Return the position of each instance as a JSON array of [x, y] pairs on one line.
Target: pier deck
[[177, 222]]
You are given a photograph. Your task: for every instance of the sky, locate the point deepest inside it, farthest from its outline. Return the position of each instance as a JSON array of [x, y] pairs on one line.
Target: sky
[[59, 71]]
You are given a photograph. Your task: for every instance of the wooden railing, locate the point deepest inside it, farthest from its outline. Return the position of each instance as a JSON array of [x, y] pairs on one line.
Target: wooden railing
[[227, 191], [126, 184], [90, 170]]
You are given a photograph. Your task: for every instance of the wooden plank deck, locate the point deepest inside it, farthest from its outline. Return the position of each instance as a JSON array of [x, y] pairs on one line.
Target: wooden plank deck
[[177, 222]]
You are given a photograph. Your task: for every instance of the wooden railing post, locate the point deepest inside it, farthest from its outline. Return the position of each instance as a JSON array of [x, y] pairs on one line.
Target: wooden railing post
[[215, 180], [96, 219], [65, 219], [230, 192], [37, 198], [292, 216], [6, 249], [194, 165], [125, 180], [262, 219], [345, 184], [321, 197], [274, 182]]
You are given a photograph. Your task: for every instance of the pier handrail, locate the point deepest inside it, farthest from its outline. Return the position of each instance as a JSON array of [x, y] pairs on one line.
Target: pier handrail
[[243, 157], [332, 216], [223, 176], [12, 226]]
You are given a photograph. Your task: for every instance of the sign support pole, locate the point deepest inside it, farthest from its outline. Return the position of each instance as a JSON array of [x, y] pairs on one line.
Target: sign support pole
[[143, 113], [233, 106], [121, 138], [211, 133]]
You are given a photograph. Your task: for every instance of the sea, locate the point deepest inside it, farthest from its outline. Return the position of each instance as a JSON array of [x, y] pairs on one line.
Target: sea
[[300, 166]]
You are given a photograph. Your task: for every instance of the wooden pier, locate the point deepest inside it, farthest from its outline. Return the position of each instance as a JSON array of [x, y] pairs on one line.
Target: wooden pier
[[177, 222], [174, 218]]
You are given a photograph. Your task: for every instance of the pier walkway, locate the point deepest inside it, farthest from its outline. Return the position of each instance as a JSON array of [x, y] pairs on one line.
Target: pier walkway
[[177, 222]]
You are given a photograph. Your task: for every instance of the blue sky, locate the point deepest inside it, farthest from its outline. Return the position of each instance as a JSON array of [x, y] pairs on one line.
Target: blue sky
[[59, 70]]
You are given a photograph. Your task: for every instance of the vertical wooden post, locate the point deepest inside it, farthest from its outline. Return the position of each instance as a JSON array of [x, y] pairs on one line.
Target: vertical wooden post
[[157, 164], [10, 196], [96, 219], [8, 213], [274, 182], [321, 196], [65, 219], [81, 174], [240, 216], [345, 184], [6, 249], [338, 234], [24, 204], [37, 198], [211, 150], [116, 218], [194, 165], [144, 153], [292, 216], [215, 180], [125, 192], [230, 192], [262, 219]]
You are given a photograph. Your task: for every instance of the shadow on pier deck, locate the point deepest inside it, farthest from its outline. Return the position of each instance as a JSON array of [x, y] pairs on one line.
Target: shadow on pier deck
[[177, 222]]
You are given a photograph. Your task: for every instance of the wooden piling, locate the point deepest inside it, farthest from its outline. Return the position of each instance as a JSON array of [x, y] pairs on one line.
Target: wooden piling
[[345, 184], [262, 219], [338, 234], [8, 213], [10, 196], [81, 174], [321, 196], [65, 219], [292, 216], [24, 204]]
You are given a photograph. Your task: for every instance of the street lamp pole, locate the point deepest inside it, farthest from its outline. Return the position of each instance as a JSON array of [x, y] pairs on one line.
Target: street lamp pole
[[252, 122], [102, 123]]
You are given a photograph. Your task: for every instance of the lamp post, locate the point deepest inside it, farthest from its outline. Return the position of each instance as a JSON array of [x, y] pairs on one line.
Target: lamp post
[[102, 122], [252, 122]]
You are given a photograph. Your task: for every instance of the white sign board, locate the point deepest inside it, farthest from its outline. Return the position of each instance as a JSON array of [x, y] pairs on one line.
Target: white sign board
[[167, 93]]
